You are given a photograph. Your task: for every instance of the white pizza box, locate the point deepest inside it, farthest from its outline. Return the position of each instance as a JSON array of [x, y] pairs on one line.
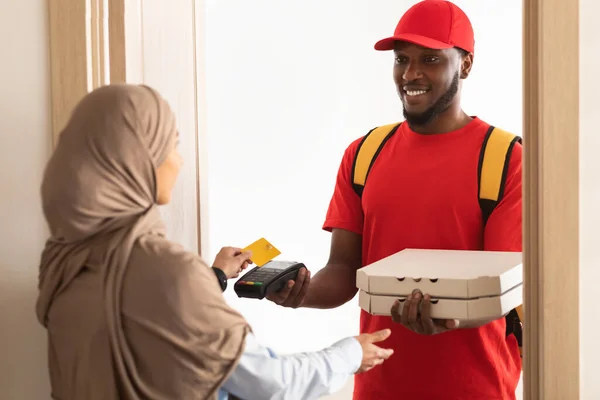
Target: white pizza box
[[468, 312], [450, 274]]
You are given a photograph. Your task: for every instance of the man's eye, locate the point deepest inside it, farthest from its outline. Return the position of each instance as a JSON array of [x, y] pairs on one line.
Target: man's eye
[[401, 60], [431, 59]]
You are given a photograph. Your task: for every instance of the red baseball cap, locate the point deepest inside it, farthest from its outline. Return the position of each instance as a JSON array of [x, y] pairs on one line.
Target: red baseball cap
[[435, 24]]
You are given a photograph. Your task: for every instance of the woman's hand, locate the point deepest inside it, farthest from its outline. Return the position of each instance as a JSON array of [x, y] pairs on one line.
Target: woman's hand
[[373, 355], [232, 261]]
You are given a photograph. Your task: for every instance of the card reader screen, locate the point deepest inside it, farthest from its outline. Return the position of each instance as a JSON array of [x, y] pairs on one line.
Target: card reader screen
[[278, 265]]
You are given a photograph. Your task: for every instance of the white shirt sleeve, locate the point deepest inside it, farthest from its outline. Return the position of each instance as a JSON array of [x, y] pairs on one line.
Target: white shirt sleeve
[[263, 375]]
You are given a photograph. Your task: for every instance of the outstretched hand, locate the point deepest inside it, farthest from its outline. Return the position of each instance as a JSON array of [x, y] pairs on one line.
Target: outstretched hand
[[373, 355]]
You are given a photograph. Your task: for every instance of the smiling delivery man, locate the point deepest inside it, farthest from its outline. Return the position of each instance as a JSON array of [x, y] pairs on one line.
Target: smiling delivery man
[[442, 179]]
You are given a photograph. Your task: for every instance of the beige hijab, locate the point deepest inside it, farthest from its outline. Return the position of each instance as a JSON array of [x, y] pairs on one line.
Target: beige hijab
[[129, 314]]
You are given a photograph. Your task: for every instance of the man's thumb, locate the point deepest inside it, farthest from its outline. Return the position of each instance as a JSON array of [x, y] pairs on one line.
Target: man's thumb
[[246, 255], [452, 323]]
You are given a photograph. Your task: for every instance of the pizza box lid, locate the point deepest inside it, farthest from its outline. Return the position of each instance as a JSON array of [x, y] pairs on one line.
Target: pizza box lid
[[459, 274]]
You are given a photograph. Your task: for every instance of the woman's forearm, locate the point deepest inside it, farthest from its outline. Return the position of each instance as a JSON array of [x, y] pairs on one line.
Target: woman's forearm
[[262, 374]]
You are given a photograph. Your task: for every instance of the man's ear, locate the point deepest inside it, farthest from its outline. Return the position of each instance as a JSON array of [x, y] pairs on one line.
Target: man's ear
[[465, 65]]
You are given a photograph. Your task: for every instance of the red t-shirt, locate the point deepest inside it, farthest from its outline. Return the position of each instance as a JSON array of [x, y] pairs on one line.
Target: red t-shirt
[[422, 193]]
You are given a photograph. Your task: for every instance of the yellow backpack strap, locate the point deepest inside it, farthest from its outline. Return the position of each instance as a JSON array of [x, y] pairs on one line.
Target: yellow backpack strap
[[367, 152], [519, 311], [493, 167]]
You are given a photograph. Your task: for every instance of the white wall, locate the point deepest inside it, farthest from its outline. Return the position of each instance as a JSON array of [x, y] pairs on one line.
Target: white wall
[[289, 85], [589, 198], [25, 142], [166, 55]]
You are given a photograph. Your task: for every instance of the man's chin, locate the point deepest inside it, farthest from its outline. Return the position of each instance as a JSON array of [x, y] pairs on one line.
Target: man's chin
[[416, 110], [414, 114], [417, 119]]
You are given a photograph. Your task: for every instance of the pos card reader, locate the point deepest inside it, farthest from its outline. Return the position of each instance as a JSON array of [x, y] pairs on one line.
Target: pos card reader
[[270, 278]]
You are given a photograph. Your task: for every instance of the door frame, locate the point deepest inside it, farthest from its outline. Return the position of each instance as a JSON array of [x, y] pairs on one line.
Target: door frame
[[84, 55], [551, 199], [96, 42]]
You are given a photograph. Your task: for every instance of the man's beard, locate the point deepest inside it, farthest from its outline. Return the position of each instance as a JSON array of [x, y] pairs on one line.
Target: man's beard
[[436, 109]]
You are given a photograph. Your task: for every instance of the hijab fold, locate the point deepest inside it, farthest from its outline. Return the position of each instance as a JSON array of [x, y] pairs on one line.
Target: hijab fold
[[99, 200]]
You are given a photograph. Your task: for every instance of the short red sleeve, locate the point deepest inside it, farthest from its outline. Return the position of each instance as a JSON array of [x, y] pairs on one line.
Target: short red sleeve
[[504, 228], [345, 208]]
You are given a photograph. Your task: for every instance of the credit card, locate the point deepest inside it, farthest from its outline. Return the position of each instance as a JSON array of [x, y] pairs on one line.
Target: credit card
[[262, 252]]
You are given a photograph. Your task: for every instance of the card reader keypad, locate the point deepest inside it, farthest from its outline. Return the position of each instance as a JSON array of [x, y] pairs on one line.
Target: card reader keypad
[[259, 276]]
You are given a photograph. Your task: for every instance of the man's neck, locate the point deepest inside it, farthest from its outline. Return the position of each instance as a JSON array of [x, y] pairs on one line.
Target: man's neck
[[448, 121]]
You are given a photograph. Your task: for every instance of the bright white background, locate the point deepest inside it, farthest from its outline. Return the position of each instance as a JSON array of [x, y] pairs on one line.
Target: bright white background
[[312, 86], [289, 86]]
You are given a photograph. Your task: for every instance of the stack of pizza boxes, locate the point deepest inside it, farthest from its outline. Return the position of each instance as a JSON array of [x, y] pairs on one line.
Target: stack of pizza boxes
[[469, 286]]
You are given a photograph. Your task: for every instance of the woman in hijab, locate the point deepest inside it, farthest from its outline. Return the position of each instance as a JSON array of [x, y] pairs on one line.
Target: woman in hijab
[[129, 314]]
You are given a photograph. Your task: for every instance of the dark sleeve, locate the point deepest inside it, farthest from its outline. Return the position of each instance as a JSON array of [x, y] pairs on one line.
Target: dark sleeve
[[221, 277]]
